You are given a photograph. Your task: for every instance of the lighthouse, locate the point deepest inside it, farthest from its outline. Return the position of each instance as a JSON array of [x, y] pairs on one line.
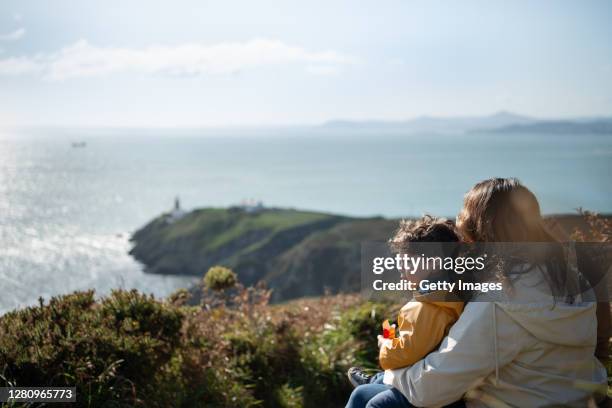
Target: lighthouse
[[176, 213]]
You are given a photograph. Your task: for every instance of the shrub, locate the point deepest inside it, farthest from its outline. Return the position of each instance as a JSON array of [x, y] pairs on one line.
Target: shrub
[[179, 297], [129, 349], [126, 350], [111, 351], [599, 229], [220, 278], [348, 339]]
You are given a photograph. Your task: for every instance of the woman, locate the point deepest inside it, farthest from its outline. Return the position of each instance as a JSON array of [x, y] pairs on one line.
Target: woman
[[535, 348]]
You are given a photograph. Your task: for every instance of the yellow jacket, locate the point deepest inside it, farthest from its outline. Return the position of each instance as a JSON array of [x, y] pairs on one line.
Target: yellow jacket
[[421, 326]]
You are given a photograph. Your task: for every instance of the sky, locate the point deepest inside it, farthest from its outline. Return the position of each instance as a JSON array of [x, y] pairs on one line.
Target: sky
[[186, 63]]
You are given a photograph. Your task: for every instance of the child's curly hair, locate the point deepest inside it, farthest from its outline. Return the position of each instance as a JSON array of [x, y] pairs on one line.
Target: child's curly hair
[[425, 229]]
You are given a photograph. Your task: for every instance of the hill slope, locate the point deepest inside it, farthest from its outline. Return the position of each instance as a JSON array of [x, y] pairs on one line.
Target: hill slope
[[298, 253]]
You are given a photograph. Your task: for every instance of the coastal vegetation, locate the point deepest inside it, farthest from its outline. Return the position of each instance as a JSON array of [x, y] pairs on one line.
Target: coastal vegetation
[[232, 350]]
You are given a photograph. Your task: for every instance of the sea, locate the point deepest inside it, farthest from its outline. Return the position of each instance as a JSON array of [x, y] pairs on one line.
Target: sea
[[70, 199]]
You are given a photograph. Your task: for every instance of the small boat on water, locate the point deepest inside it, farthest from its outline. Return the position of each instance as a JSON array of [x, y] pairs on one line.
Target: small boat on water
[[79, 144]]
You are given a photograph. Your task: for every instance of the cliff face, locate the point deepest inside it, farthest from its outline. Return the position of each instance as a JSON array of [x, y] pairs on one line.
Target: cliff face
[[297, 253]]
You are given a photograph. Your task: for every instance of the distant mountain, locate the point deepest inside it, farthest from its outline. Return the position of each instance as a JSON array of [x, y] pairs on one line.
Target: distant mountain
[[501, 122], [433, 124], [585, 126]]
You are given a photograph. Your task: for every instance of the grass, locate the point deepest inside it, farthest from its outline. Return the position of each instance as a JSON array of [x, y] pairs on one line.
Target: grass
[[217, 227]]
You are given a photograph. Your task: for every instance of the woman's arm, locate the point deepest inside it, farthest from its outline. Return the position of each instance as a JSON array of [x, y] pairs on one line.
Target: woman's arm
[[483, 339]]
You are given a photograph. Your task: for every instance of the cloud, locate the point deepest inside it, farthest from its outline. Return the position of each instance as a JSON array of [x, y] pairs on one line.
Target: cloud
[[18, 66], [83, 59], [324, 70], [14, 35]]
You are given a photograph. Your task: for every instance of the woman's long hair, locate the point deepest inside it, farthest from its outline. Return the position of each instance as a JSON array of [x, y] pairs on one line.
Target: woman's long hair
[[502, 210]]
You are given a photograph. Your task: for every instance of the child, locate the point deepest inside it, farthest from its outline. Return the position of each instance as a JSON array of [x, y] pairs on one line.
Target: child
[[423, 322]]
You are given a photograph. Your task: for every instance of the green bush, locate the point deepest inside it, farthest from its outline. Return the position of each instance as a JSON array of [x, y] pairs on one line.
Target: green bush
[[126, 350], [220, 278], [129, 349]]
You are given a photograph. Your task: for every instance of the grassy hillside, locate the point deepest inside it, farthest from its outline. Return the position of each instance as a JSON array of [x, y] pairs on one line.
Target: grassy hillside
[[299, 253], [329, 259]]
